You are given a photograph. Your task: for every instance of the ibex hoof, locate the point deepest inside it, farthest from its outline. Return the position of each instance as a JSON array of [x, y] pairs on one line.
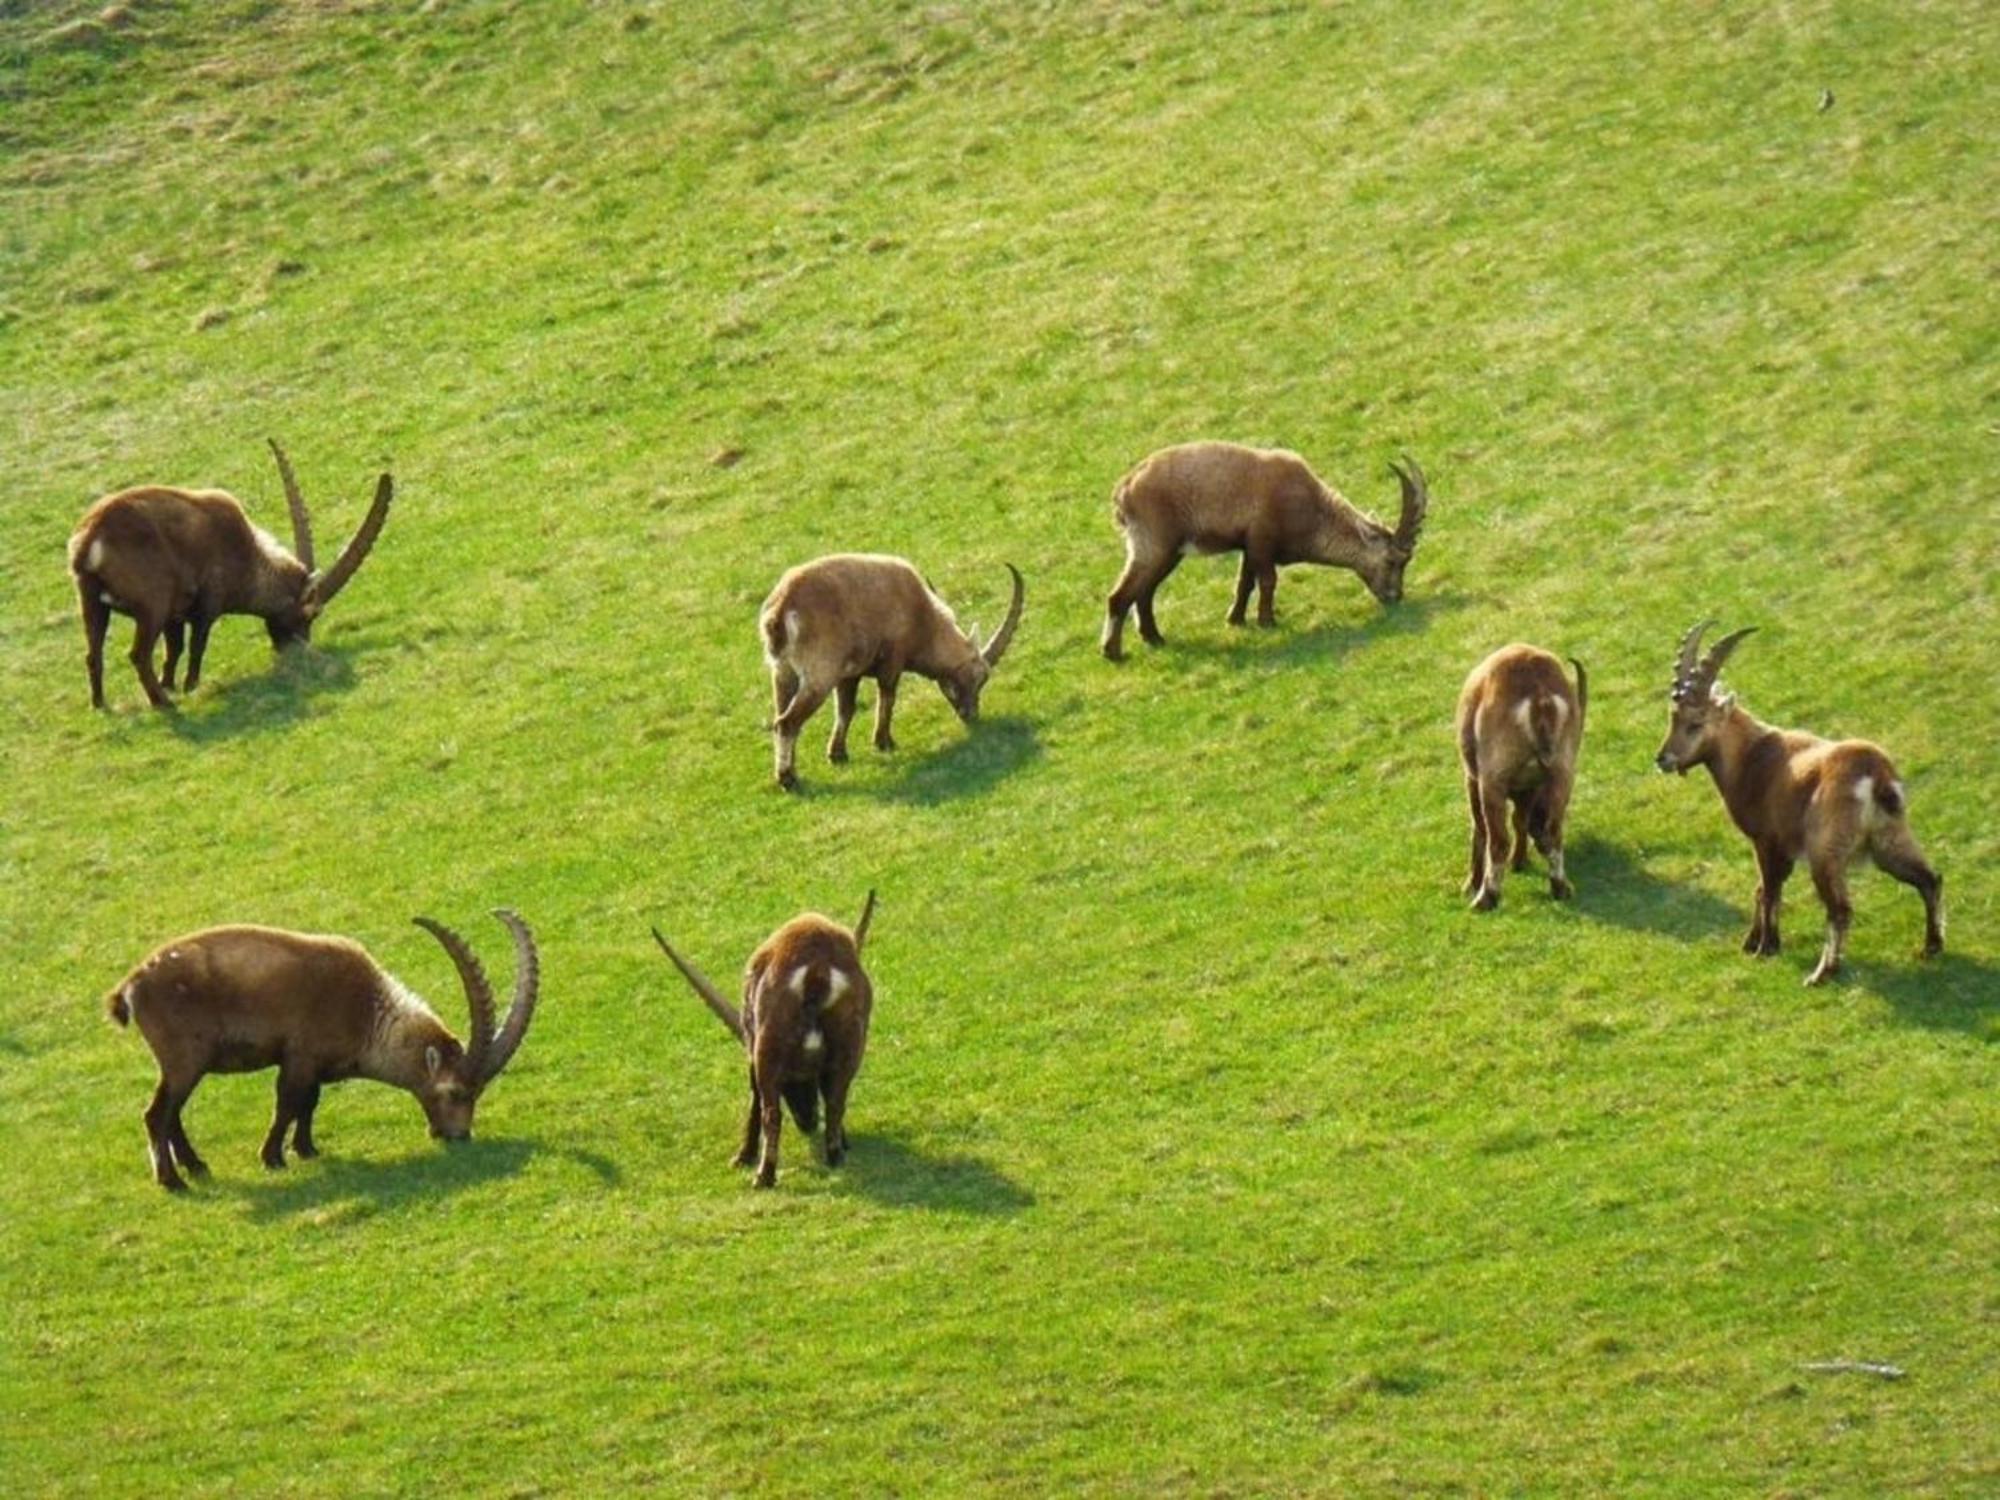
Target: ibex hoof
[[1562, 890], [305, 1150], [196, 1169], [743, 1159], [173, 1184], [767, 1178], [1933, 947], [837, 755], [1486, 900], [788, 781], [274, 1163], [1112, 652], [885, 744], [835, 1155], [1820, 975]]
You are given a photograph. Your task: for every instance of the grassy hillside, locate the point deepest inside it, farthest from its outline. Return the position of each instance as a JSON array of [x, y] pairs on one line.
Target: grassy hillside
[[1207, 1144]]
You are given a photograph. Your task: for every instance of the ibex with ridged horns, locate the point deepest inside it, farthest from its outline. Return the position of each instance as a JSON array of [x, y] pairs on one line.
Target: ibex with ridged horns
[[804, 1024], [319, 1010], [177, 560], [1796, 797], [1520, 727], [1265, 503], [832, 622]]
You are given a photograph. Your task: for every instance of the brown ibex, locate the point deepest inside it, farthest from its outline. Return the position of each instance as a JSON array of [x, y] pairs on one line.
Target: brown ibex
[[319, 1010], [1519, 730], [1796, 797], [804, 1024], [177, 560], [831, 622], [1265, 503]]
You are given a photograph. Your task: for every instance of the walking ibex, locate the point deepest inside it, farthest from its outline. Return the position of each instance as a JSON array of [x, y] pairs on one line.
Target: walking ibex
[[1796, 797]]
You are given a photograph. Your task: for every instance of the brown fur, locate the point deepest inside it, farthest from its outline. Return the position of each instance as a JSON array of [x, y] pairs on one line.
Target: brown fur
[[1520, 728], [319, 1009], [832, 622], [177, 560], [1265, 503], [1798, 797], [789, 998]]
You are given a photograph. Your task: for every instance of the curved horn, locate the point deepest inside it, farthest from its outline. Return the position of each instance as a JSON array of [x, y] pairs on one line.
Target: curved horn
[[302, 526], [1416, 502], [994, 649], [1684, 669], [1718, 654], [527, 990], [478, 993], [336, 577], [728, 1013], [861, 927]]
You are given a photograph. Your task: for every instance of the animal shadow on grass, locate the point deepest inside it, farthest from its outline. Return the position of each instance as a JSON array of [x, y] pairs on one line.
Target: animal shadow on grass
[[1612, 886], [976, 761], [330, 1182], [1948, 993], [898, 1175], [1318, 645], [225, 708]]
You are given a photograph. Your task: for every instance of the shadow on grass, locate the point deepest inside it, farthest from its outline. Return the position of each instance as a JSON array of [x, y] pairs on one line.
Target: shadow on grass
[[1948, 993], [1612, 886], [222, 709], [1318, 644], [333, 1185], [898, 1175], [985, 755]]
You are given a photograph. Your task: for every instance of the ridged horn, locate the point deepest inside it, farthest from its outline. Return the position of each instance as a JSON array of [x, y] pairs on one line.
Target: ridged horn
[[1416, 502], [302, 526], [478, 992], [1684, 668], [335, 579], [994, 649], [861, 927], [711, 996], [527, 991]]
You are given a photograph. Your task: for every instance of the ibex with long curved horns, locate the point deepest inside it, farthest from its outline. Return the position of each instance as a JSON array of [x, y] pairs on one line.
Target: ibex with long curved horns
[[178, 560], [1265, 503], [804, 1024], [832, 622], [319, 1010], [1795, 796]]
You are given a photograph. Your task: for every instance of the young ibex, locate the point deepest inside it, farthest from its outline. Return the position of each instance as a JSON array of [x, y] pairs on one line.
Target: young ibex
[[1519, 730], [804, 1023], [319, 1009], [1795, 796], [177, 560], [1265, 503], [832, 622]]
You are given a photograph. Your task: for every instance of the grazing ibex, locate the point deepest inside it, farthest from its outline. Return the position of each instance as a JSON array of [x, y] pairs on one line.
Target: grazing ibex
[[832, 622], [1265, 503], [319, 1009], [1519, 730], [804, 1023], [1795, 796], [177, 560]]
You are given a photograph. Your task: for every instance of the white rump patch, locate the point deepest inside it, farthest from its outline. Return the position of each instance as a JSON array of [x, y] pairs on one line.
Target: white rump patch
[[1864, 790], [815, 1040], [94, 558], [131, 996], [1562, 712], [1521, 712], [105, 595], [797, 983], [837, 986]]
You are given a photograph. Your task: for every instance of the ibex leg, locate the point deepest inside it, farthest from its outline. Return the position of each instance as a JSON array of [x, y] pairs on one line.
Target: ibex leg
[[843, 714], [96, 620]]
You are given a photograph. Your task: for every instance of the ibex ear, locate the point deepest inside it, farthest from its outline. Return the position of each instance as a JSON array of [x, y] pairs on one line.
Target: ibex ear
[[433, 1060]]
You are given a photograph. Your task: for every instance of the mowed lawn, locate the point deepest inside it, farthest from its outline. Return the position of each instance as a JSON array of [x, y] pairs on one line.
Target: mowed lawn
[[1206, 1144]]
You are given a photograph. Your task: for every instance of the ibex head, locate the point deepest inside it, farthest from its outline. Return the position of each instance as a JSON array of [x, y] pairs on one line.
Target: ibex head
[[310, 590], [454, 1076], [1382, 571], [963, 686], [1697, 707]]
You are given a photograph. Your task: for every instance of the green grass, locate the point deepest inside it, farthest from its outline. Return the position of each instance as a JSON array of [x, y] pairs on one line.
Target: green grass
[[1206, 1144]]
